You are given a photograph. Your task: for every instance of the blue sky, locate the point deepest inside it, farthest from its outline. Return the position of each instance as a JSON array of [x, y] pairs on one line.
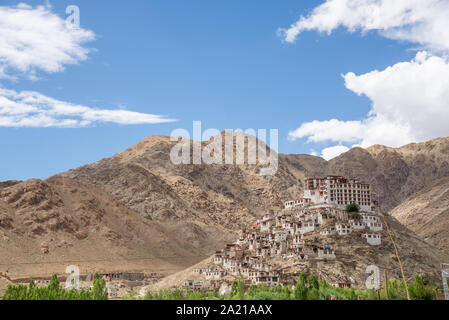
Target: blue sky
[[221, 62]]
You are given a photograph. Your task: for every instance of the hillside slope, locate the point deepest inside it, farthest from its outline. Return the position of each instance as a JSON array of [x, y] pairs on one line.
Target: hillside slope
[[47, 225], [427, 214], [353, 256]]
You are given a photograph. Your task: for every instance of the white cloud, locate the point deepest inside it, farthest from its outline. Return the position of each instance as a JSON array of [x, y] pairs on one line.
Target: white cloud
[[313, 153], [32, 109], [424, 22], [410, 103], [36, 39], [410, 100], [332, 130], [333, 152]]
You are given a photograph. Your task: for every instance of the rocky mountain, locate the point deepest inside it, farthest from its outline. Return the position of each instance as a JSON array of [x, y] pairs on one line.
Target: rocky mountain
[[182, 210], [394, 173], [46, 226], [427, 213]]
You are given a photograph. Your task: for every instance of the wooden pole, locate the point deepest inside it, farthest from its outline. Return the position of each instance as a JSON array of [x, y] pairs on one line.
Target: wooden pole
[[386, 284], [397, 256]]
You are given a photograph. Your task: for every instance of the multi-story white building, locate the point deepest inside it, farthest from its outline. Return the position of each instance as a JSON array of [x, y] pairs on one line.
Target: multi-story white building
[[339, 191]]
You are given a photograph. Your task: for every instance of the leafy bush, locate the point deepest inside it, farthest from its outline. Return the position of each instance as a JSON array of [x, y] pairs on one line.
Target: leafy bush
[[356, 215], [353, 207]]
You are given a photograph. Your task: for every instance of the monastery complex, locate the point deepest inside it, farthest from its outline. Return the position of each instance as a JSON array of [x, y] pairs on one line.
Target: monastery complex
[[289, 234]]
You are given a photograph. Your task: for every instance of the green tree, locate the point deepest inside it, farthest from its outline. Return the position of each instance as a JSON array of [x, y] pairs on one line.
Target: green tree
[[301, 287], [100, 292], [234, 288], [353, 207], [419, 291], [313, 282], [54, 283], [241, 288], [393, 289], [287, 292]]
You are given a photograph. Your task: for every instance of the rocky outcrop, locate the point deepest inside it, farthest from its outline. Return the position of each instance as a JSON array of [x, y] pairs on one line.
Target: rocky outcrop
[[427, 214]]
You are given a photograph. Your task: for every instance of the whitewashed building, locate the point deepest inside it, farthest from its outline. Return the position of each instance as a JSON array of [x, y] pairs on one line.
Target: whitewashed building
[[326, 253], [373, 239], [281, 235], [328, 232], [266, 225], [357, 224], [374, 226], [307, 227], [343, 229], [339, 191]]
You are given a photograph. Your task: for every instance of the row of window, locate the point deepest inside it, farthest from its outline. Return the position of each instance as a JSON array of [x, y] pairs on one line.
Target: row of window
[[350, 199], [361, 203]]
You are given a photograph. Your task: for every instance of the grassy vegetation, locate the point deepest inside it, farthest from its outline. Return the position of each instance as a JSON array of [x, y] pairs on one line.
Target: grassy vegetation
[[54, 291], [307, 288]]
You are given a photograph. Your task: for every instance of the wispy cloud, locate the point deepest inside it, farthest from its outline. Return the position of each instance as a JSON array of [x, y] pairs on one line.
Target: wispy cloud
[[35, 39], [424, 22], [32, 109]]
